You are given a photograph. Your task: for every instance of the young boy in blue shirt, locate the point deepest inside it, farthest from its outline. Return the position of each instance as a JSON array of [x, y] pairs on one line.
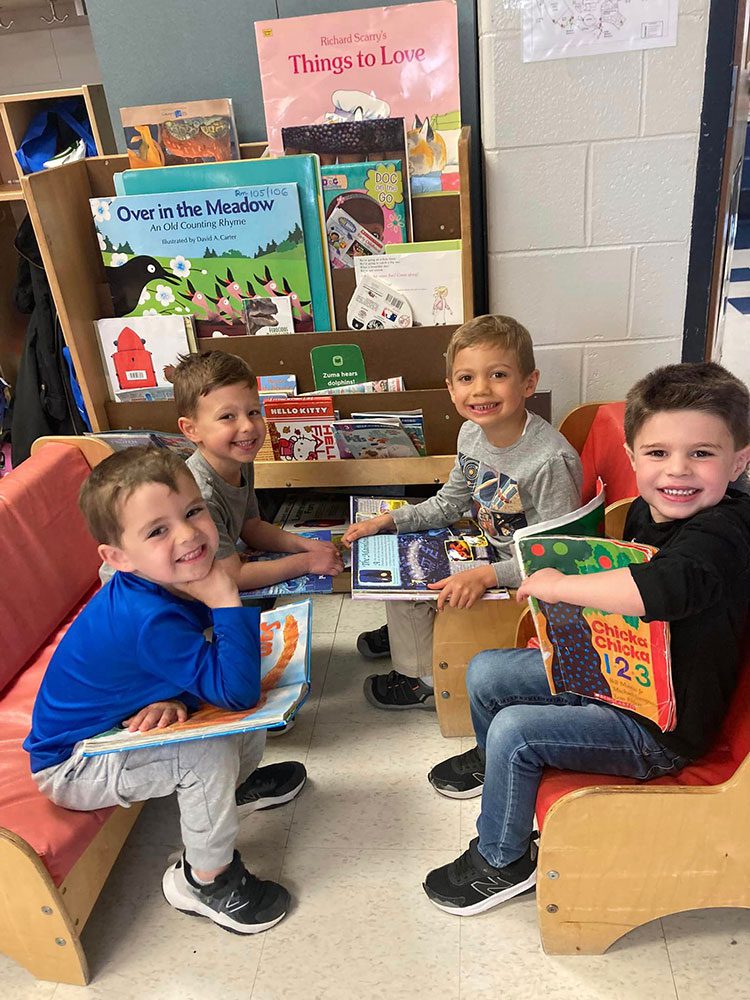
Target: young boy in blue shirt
[[687, 429], [140, 642]]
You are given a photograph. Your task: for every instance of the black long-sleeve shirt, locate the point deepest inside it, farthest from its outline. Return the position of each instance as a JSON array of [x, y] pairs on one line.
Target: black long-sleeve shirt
[[699, 582]]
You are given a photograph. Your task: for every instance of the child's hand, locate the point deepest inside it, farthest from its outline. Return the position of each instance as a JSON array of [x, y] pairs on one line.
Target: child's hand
[[464, 589], [323, 558], [217, 589], [156, 716], [544, 585], [383, 522]]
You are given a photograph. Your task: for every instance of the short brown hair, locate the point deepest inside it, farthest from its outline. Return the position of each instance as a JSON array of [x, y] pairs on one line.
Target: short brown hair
[[116, 478], [703, 386], [198, 374], [501, 331]]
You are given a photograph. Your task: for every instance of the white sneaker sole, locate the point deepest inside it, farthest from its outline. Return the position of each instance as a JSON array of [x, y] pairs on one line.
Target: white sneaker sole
[[183, 900], [277, 800], [449, 793], [490, 901]]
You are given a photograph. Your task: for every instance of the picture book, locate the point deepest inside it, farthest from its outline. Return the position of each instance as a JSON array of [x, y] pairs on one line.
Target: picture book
[[399, 567], [265, 315], [365, 65], [200, 252], [286, 384], [327, 512], [304, 171], [301, 429], [583, 521], [285, 640], [376, 305], [373, 194], [309, 583], [373, 438], [370, 142], [618, 659], [152, 395], [395, 384], [336, 365], [119, 440], [348, 239], [428, 275], [140, 354], [412, 422], [159, 135]]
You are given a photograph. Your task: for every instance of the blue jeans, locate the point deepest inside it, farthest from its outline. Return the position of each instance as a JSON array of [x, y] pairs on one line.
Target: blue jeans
[[523, 728]]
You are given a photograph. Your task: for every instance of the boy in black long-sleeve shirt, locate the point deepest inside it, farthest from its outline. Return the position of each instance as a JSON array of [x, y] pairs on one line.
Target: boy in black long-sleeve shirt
[[687, 429]]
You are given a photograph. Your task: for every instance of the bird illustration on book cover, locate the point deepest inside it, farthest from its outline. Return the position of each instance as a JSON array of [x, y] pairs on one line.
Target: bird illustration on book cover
[[202, 253]]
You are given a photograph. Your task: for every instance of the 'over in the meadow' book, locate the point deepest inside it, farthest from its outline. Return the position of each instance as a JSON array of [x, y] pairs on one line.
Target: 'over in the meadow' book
[[202, 253], [285, 683], [618, 659]]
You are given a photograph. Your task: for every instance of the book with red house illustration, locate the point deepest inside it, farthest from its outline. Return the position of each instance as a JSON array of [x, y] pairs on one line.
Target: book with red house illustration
[[140, 352], [301, 428]]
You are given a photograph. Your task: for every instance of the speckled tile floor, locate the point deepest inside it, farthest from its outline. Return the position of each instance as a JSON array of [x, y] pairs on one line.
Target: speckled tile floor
[[353, 849]]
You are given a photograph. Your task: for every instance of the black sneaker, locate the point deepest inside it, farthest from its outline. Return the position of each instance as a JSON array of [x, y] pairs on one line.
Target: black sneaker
[[374, 645], [471, 885], [396, 692], [270, 786], [460, 777], [235, 900]]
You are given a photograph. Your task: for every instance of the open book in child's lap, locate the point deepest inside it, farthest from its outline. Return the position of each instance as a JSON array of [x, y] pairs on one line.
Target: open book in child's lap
[[285, 684], [619, 659]]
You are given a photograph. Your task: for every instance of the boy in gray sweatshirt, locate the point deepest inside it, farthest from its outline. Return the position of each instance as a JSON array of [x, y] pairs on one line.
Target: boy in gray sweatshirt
[[512, 469]]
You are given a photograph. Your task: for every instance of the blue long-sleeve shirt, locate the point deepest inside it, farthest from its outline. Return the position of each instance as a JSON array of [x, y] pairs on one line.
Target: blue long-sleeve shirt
[[135, 643]]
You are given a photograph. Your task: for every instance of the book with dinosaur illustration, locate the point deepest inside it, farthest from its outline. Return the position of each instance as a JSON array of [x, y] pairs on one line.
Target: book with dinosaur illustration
[[400, 567], [619, 659], [365, 65], [304, 171], [139, 354], [161, 135], [202, 253], [285, 639]]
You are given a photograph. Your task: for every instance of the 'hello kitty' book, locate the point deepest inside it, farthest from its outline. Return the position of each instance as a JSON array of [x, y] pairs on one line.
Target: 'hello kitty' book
[[360, 65]]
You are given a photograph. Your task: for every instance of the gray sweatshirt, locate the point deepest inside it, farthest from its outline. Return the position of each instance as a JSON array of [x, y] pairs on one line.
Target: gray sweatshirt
[[503, 489]]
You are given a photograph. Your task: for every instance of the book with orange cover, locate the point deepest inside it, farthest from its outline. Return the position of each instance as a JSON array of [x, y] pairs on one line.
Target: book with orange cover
[[285, 684]]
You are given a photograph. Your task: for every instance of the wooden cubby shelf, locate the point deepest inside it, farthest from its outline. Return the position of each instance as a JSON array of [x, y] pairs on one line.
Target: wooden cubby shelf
[[58, 202]]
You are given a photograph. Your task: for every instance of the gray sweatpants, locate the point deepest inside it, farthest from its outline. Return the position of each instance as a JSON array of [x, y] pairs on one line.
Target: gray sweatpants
[[204, 773], [410, 626]]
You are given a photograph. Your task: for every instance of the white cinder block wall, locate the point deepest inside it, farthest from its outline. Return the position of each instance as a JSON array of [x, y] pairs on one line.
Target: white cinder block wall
[[590, 173]]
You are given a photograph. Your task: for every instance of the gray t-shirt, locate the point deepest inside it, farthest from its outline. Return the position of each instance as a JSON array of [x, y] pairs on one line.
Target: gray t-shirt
[[230, 506], [503, 489]]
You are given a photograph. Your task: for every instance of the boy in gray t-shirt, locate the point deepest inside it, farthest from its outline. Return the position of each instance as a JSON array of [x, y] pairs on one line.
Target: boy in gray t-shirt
[[217, 403], [512, 469]]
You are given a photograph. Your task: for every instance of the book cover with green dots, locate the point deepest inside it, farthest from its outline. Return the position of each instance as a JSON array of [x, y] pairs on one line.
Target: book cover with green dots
[[618, 659]]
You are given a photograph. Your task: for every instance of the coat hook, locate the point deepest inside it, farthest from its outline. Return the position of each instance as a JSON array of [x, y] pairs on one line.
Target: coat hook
[[54, 19], [7, 26]]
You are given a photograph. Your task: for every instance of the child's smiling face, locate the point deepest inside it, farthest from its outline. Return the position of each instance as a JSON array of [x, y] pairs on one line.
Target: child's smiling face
[[683, 462], [487, 387]]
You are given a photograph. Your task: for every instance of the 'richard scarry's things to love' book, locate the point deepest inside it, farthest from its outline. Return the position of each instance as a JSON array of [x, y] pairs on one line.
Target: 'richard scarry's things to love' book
[[202, 253], [359, 65]]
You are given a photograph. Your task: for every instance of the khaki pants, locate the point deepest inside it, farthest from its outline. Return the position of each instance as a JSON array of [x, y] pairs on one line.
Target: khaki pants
[[410, 625]]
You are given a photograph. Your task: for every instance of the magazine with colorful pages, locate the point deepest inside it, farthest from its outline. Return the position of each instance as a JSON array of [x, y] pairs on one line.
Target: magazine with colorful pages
[[618, 659], [285, 683], [400, 567]]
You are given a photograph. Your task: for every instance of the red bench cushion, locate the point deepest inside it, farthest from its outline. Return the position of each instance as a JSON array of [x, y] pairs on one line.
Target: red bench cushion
[[47, 556], [729, 751], [59, 836]]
